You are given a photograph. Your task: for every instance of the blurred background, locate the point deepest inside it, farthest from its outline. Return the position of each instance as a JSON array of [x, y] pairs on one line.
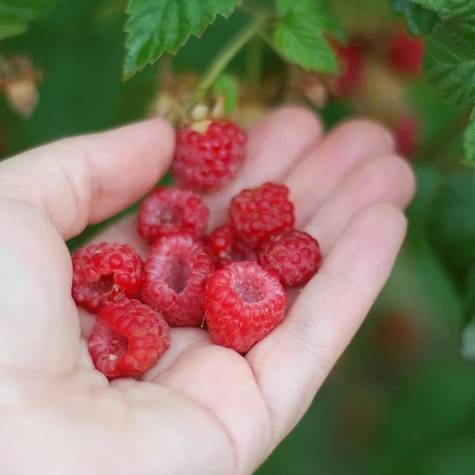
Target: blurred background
[[402, 398]]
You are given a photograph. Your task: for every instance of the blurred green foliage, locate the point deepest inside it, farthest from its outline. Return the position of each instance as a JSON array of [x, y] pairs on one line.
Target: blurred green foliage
[[402, 399]]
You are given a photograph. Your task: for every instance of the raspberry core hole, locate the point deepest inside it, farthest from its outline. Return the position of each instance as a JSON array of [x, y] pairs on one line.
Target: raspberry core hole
[[104, 285], [170, 215], [177, 274], [248, 291]]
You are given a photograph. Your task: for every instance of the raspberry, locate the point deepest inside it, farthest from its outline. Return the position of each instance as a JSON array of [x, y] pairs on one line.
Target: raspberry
[[293, 256], [350, 57], [171, 210], [406, 53], [207, 161], [406, 135], [243, 303], [256, 214], [105, 271], [127, 339], [227, 248], [174, 279]]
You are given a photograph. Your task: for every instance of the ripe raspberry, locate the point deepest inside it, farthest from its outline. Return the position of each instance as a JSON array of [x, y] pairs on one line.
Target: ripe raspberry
[[207, 161], [243, 303], [174, 279], [256, 214], [350, 57], [406, 53], [127, 339], [293, 256], [171, 210], [227, 248], [406, 136], [105, 271]]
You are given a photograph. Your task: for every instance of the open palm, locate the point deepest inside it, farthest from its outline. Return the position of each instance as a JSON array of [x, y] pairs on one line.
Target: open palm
[[203, 409]]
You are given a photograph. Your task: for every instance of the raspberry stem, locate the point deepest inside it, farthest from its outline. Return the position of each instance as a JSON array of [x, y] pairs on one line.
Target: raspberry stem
[[227, 54]]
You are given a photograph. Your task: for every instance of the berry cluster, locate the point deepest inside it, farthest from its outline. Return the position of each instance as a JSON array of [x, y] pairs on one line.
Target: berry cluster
[[233, 281]]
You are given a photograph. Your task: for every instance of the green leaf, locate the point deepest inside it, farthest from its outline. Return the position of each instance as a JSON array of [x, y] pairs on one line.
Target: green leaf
[[15, 15], [300, 34], [469, 142], [420, 20], [450, 61], [450, 9], [451, 225], [155, 27]]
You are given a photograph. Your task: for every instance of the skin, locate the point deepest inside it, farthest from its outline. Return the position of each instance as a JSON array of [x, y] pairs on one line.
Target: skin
[[203, 409]]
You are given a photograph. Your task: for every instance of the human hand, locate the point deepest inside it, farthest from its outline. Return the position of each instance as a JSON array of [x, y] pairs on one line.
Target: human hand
[[203, 409]]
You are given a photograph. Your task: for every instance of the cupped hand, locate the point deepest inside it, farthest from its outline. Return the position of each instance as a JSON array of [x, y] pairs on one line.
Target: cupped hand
[[203, 409]]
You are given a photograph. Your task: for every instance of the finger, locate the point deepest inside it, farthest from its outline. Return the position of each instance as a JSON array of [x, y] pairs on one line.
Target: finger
[[182, 340], [124, 231], [39, 330], [82, 180], [386, 179], [321, 170], [293, 361], [275, 144]]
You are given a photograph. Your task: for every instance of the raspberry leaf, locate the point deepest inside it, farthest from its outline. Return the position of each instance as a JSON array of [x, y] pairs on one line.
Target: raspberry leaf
[[15, 15], [300, 34], [155, 27], [450, 9], [450, 61], [420, 20]]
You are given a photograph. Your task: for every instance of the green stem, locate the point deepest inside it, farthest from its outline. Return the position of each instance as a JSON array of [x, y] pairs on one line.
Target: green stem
[[254, 63], [227, 54]]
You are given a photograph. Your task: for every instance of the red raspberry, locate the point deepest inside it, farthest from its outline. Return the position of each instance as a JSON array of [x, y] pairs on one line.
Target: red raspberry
[[293, 256], [127, 339], [243, 303], [350, 57], [207, 161], [227, 248], [406, 53], [174, 279], [256, 214], [105, 271], [406, 136], [171, 210]]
